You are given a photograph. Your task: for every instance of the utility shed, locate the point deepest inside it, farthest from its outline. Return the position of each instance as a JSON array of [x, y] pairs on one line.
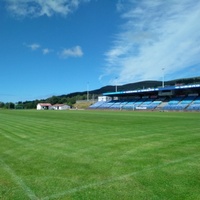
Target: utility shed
[[44, 106], [60, 107]]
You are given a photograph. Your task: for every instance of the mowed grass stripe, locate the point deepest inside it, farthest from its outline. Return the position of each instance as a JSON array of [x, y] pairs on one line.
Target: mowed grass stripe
[[121, 178], [23, 129], [69, 151], [18, 180]]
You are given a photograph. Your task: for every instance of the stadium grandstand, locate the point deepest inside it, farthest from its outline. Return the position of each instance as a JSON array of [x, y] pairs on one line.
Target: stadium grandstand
[[169, 98]]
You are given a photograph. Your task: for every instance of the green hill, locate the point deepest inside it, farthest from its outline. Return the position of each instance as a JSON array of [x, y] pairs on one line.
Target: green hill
[[71, 98], [137, 85]]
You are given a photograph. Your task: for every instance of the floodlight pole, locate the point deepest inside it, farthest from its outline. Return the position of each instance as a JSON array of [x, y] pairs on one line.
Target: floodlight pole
[[115, 84], [163, 80], [87, 91]]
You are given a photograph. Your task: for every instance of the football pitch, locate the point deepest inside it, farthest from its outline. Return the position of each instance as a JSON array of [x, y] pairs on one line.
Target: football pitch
[[100, 155]]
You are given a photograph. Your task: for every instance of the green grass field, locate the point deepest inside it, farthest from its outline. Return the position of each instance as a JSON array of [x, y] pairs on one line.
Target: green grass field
[[99, 155]]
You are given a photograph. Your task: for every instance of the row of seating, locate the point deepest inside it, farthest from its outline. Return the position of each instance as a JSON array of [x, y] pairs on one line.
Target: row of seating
[[195, 105], [128, 104], [182, 103], [176, 103]]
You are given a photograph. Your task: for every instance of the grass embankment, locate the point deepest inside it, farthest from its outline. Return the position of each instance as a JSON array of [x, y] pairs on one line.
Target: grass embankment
[[82, 104], [99, 155]]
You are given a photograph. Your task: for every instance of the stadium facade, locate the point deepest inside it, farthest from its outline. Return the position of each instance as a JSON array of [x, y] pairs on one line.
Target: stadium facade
[[177, 98]]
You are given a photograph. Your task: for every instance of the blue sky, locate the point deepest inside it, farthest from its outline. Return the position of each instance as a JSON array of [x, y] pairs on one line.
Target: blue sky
[[57, 47]]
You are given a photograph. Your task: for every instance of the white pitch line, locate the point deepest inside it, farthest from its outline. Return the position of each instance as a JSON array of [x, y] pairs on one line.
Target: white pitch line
[[19, 181], [77, 189]]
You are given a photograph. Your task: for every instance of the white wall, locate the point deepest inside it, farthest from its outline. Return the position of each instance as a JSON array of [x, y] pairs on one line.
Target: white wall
[[39, 107], [104, 98], [61, 107]]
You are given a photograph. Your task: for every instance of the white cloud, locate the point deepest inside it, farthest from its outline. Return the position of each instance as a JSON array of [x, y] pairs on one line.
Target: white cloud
[[75, 51], [46, 51], [37, 8], [33, 46], [155, 34], [72, 52]]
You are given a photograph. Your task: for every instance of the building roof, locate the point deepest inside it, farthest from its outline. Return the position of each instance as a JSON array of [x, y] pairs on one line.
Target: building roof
[[60, 104], [152, 90], [44, 104]]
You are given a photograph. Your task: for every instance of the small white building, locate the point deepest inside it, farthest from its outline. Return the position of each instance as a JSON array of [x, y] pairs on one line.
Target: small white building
[[44, 106], [60, 107], [104, 98]]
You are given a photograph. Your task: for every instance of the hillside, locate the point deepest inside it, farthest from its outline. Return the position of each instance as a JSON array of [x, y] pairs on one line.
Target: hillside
[[71, 98], [137, 85]]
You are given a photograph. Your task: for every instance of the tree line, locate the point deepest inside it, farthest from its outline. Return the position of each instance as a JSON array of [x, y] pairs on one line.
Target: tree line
[[64, 99], [70, 99]]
